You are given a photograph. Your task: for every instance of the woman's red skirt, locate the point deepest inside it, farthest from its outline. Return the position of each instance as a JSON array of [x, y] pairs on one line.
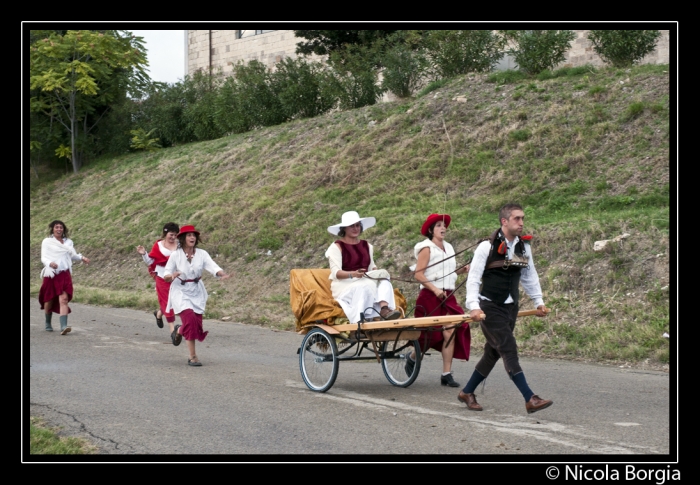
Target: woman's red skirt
[[52, 288], [191, 327], [163, 290], [428, 304]]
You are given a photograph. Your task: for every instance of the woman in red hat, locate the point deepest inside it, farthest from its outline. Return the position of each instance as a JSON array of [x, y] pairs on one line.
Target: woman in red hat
[[437, 272], [188, 296], [156, 259]]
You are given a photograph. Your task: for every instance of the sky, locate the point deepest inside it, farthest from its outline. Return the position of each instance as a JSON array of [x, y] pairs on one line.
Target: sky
[[166, 54]]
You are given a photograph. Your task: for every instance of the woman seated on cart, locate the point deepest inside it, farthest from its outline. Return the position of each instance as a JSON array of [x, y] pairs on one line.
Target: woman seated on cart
[[356, 283]]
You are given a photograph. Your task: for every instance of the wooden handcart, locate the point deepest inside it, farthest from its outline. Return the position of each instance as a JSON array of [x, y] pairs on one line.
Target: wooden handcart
[[389, 342], [329, 339]]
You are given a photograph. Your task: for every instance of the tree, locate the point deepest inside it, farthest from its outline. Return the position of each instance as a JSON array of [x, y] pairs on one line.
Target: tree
[[538, 50], [36, 35], [79, 73], [323, 42], [45, 136], [622, 48]]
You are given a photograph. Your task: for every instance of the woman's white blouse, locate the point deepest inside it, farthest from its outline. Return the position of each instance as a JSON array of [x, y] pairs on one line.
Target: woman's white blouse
[[189, 295], [441, 266]]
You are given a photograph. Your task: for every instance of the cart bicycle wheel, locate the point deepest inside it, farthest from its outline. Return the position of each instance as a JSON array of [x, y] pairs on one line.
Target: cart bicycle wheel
[[318, 360], [394, 362]]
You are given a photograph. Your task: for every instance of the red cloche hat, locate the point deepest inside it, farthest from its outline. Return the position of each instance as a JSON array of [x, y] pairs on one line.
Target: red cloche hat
[[433, 218], [186, 229]]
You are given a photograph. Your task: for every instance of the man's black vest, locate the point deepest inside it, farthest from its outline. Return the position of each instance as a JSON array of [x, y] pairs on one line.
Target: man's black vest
[[500, 280]]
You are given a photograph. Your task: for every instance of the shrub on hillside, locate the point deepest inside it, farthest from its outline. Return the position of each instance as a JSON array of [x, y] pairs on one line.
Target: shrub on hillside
[[111, 136], [248, 100], [537, 50], [623, 48], [356, 76], [454, 52], [146, 113], [142, 140], [404, 70], [229, 112], [305, 89], [163, 109], [257, 93], [197, 115]]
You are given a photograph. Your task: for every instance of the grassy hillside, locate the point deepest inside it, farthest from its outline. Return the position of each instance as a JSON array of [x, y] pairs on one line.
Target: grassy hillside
[[586, 154]]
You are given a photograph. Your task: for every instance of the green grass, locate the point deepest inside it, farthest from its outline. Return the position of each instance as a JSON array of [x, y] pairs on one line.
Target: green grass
[[633, 111], [432, 86], [46, 441], [596, 91], [519, 135], [588, 164], [509, 76]]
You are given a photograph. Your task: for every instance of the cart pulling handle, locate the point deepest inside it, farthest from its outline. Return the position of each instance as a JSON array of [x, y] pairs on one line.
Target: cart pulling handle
[[523, 313], [527, 313]]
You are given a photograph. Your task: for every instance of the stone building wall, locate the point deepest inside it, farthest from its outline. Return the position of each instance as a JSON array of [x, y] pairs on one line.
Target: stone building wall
[[221, 49], [226, 50], [582, 51]]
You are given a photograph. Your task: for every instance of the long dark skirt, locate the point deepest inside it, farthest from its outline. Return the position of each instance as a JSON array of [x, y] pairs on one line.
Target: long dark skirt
[[428, 304], [52, 288], [192, 328]]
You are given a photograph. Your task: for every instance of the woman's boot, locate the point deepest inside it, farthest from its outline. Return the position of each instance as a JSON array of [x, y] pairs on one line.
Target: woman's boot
[[64, 324], [48, 326]]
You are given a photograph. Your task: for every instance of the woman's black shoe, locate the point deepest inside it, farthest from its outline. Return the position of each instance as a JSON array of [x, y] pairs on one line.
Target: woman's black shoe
[[176, 337], [409, 366], [159, 321], [448, 381]]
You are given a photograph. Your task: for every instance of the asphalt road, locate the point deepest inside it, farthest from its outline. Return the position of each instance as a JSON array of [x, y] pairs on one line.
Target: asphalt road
[[118, 381]]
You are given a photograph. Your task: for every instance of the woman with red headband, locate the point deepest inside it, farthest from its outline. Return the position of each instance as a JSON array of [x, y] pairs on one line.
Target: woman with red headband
[[188, 296], [156, 259], [437, 271]]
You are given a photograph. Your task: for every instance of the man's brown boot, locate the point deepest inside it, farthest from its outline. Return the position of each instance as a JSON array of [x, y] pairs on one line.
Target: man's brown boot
[[536, 403], [470, 400]]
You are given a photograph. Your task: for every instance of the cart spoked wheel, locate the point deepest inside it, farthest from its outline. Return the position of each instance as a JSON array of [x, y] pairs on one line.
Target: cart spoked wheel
[[318, 360], [397, 368]]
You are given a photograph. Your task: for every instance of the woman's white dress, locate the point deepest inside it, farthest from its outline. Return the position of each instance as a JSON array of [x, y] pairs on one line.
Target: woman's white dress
[[189, 295], [359, 295]]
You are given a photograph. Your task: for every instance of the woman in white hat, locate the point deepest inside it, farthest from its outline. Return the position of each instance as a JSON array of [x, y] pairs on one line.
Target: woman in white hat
[[188, 296], [437, 271], [350, 259]]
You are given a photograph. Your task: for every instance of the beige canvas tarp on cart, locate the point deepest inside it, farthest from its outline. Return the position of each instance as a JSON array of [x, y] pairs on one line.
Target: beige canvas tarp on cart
[[311, 299]]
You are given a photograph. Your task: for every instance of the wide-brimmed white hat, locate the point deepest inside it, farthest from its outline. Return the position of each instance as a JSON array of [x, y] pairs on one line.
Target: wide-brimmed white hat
[[350, 218]]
